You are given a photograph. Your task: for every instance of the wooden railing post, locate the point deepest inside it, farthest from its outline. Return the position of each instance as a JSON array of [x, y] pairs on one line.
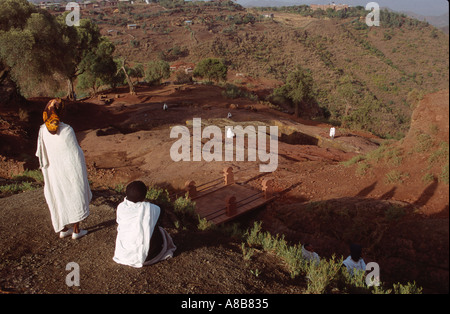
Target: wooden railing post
[[228, 175], [267, 187], [231, 206]]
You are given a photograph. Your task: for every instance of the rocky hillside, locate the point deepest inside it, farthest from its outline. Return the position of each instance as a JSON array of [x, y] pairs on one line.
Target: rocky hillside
[[364, 76], [394, 201]]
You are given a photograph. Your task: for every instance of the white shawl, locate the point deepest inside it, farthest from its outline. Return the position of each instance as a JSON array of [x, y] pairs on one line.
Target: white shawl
[[63, 166], [310, 256], [137, 222], [168, 248], [352, 265]]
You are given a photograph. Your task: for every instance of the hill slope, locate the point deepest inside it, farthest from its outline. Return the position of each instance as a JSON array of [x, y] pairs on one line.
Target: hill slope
[[363, 75], [394, 201]]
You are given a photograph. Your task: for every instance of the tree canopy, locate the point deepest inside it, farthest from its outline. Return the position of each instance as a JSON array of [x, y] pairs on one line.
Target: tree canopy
[[156, 71], [36, 46], [298, 89], [211, 69]]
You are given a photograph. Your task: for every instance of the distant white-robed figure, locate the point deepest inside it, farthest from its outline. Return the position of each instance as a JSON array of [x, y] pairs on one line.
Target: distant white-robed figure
[[230, 133], [332, 133]]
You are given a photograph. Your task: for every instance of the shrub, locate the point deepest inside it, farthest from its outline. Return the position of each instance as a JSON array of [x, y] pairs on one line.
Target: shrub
[[321, 275], [394, 213], [428, 178], [135, 43], [414, 97], [409, 288], [396, 176], [353, 160], [183, 78], [158, 196], [440, 155], [185, 206], [17, 187], [204, 224], [290, 254], [233, 92], [26, 181], [184, 209], [27, 175], [363, 168], [156, 71], [424, 142]]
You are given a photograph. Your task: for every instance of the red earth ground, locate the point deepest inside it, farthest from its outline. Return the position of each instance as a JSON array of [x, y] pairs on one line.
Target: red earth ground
[[402, 224]]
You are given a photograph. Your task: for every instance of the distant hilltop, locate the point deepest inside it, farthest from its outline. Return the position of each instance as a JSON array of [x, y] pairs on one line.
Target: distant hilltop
[[332, 6]]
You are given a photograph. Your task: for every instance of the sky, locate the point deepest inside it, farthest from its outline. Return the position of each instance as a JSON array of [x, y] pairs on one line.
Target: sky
[[423, 7]]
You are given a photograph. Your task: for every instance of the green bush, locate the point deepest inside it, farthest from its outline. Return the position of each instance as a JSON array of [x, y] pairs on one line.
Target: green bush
[[27, 175], [184, 209], [424, 142], [233, 92], [183, 78], [184, 205], [211, 69], [394, 213], [156, 71], [320, 276], [354, 160], [396, 176], [26, 181], [158, 196], [17, 187], [409, 288], [440, 155]]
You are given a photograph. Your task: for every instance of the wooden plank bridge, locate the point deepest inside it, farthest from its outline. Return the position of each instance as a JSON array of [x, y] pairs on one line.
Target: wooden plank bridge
[[223, 200]]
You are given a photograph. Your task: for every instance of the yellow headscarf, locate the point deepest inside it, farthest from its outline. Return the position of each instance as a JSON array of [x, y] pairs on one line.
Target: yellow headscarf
[[52, 114]]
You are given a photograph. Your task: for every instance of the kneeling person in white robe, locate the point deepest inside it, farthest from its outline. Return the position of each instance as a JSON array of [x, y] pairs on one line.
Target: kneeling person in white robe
[[63, 166], [140, 240]]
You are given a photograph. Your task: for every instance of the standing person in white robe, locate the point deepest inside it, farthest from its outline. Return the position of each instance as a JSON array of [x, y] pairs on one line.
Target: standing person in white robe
[[140, 240], [332, 133], [63, 166]]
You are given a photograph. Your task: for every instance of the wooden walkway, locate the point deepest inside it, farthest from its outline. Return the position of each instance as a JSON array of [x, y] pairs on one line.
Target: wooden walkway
[[223, 200]]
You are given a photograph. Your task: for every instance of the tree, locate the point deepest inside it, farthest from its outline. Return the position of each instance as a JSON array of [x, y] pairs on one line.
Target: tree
[[298, 89], [156, 71], [31, 47], [123, 68], [81, 42], [211, 69], [98, 67], [35, 45], [137, 71]]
